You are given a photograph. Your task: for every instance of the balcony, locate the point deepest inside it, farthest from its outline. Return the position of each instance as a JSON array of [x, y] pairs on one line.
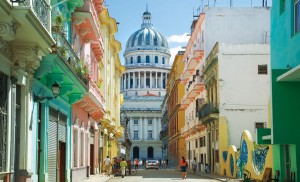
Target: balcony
[[145, 65], [31, 18], [87, 23], [209, 112], [70, 58]]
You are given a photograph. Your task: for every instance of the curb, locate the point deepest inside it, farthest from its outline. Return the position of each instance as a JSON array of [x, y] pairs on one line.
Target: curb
[[212, 176]]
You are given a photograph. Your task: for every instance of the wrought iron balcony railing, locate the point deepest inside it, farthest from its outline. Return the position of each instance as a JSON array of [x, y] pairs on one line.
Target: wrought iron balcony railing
[[208, 109], [40, 8], [67, 53]]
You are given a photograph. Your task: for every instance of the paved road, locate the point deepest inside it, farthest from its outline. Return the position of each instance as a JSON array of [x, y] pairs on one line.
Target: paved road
[[159, 176]]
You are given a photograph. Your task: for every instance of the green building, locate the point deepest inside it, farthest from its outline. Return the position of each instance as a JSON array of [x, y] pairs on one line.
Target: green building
[[285, 67]]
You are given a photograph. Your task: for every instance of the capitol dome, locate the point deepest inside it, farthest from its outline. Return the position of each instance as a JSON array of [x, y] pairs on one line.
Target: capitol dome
[[147, 38]]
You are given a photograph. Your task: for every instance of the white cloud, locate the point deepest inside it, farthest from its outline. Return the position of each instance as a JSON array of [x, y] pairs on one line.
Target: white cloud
[[184, 38], [174, 51]]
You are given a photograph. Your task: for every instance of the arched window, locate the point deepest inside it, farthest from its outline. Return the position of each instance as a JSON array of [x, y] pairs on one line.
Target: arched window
[[136, 153], [163, 60], [147, 59], [156, 59], [150, 152], [139, 59], [131, 60]]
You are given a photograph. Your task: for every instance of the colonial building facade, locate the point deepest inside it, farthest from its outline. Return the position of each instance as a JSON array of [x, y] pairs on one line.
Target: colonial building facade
[[143, 86]]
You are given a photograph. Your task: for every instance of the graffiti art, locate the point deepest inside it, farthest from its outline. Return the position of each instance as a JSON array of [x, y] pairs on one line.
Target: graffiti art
[[259, 159]]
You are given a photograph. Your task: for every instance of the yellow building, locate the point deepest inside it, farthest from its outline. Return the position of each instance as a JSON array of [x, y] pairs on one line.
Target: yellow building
[[176, 115], [111, 71]]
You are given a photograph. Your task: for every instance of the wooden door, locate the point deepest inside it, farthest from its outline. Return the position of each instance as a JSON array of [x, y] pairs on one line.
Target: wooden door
[[92, 167], [62, 162]]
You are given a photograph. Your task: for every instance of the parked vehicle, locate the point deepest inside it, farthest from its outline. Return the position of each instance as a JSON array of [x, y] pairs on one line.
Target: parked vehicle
[[152, 164]]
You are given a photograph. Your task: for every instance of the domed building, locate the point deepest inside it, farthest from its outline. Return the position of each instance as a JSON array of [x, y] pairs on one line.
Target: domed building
[[144, 86]]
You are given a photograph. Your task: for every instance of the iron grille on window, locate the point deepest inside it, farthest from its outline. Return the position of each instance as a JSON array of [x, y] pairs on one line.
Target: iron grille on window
[[263, 69], [3, 121]]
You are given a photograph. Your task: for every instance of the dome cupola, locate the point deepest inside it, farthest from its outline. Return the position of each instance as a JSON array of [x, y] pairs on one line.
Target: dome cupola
[[147, 38]]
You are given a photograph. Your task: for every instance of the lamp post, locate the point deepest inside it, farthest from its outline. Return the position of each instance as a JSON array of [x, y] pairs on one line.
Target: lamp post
[[189, 152]]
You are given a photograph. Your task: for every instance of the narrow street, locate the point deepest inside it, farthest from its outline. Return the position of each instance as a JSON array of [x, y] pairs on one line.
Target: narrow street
[[154, 175]]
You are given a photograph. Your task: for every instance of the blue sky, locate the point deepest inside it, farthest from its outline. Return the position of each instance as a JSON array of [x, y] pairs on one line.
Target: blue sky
[[172, 18]]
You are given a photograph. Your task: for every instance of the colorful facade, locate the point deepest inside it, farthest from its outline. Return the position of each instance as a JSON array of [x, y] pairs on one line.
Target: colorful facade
[[285, 60], [87, 113], [194, 131], [25, 37], [111, 71], [176, 114]]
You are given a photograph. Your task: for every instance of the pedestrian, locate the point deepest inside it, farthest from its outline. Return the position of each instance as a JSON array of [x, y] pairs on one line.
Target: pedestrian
[[136, 163], [206, 168], [123, 165], [194, 165], [107, 164], [183, 164], [129, 166]]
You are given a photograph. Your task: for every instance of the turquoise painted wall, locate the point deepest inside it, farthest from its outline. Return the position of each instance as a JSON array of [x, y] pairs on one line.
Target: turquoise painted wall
[[285, 49], [285, 54]]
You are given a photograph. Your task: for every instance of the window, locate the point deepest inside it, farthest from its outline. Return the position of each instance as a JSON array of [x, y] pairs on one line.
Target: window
[[163, 60], [150, 137], [156, 59], [297, 15], [263, 69], [136, 135], [202, 141], [149, 121], [131, 60], [282, 6], [217, 156], [136, 121], [139, 59], [196, 143], [147, 59], [260, 125], [147, 82]]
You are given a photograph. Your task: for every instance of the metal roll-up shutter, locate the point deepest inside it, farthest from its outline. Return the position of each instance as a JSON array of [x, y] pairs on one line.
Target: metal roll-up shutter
[[62, 128], [52, 145]]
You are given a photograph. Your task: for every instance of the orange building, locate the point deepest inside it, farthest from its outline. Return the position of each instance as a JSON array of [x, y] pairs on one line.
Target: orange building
[[176, 114]]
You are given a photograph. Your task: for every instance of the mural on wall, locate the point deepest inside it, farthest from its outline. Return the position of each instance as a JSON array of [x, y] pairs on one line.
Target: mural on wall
[[231, 165], [259, 159], [243, 159], [225, 154]]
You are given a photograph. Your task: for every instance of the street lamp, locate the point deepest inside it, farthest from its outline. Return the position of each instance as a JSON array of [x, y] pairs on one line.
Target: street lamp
[[55, 91]]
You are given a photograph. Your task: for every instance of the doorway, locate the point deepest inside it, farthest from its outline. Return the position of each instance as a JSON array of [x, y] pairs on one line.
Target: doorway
[[62, 161], [150, 152], [92, 159], [136, 153]]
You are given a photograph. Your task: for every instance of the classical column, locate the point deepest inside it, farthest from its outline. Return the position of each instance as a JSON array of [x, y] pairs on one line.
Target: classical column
[[145, 73], [154, 129], [150, 79], [131, 128], [125, 84], [145, 128], [139, 80], [128, 80], [161, 79], [156, 79], [141, 127], [133, 80]]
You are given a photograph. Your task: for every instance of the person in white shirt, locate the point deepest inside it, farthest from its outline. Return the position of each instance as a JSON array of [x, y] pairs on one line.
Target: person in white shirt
[[107, 164], [194, 165]]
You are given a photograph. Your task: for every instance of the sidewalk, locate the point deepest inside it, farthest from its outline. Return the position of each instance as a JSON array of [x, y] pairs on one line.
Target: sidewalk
[[210, 175], [98, 178]]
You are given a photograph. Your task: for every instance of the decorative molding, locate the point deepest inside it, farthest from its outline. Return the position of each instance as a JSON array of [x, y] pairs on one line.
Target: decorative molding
[[5, 49], [8, 30], [25, 59]]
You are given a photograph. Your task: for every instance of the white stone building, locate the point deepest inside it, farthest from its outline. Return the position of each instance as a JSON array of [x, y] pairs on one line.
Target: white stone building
[[144, 87]]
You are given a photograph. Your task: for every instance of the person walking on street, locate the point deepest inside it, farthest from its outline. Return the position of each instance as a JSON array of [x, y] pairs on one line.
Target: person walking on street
[[194, 165], [123, 165], [107, 164], [136, 164], [183, 164], [129, 166]]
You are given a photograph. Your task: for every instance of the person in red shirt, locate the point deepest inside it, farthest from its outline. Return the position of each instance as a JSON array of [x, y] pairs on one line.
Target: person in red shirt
[[183, 164], [136, 164]]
